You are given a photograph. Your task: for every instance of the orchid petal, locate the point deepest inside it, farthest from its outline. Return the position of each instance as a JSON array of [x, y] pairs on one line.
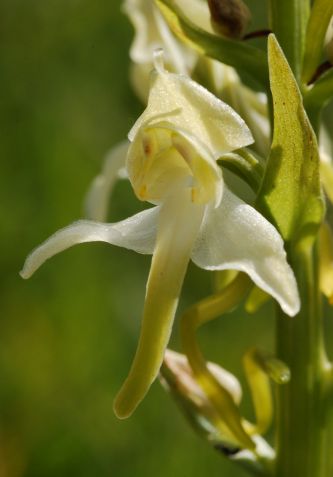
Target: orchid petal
[[236, 236], [197, 12], [135, 233], [184, 103], [98, 196], [178, 225], [251, 106], [147, 37], [152, 32]]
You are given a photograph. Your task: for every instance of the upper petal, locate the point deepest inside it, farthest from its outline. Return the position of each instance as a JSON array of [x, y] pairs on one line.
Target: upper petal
[[147, 36], [236, 236], [197, 12], [186, 104], [151, 32], [136, 233]]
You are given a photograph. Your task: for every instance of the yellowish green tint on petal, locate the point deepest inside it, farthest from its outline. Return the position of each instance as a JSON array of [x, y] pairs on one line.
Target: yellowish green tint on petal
[[178, 225]]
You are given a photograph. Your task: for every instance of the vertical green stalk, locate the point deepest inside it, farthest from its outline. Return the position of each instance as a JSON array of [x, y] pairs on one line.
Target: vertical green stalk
[[302, 448], [289, 21]]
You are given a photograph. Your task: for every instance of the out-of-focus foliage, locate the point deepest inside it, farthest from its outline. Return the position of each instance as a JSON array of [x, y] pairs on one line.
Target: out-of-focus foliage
[[66, 336]]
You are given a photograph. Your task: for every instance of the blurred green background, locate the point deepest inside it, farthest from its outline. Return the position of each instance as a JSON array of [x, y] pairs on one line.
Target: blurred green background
[[67, 335]]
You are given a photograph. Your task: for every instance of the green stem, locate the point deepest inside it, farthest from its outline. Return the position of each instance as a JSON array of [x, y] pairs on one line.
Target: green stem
[[301, 439], [289, 20]]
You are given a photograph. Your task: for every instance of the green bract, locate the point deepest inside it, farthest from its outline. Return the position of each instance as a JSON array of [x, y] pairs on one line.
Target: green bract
[[291, 193]]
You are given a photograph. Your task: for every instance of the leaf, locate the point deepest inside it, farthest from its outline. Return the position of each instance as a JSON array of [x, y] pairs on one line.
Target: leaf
[[290, 193], [245, 58]]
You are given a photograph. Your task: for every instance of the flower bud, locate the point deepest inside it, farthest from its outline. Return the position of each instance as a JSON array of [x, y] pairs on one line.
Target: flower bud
[[177, 378], [229, 17]]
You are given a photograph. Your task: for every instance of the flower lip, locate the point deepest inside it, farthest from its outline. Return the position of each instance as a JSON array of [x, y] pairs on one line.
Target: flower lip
[[163, 157]]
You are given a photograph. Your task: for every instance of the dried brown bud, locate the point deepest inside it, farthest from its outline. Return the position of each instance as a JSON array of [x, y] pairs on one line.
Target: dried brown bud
[[229, 17]]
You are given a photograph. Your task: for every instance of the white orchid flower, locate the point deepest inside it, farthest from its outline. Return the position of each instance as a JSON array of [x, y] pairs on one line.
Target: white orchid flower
[[171, 163], [151, 32]]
